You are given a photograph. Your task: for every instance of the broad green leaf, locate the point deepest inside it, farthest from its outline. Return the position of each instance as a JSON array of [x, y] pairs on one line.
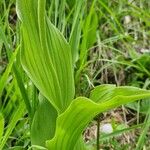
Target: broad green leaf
[[73, 121], [104, 92], [45, 54], [44, 122], [1, 126], [80, 145], [100, 93]]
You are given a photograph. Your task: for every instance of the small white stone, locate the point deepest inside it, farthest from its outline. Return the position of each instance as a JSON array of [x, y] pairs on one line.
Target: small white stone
[[106, 128], [127, 19], [145, 50]]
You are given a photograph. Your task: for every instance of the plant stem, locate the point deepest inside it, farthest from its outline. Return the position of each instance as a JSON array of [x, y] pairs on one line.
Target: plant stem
[[98, 133]]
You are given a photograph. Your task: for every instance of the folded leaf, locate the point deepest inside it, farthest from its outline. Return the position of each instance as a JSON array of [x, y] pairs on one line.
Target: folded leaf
[[104, 92], [45, 54], [73, 121]]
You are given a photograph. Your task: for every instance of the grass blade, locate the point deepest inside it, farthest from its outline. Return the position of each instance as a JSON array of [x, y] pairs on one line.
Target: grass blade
[[17, 115], [1, 126]]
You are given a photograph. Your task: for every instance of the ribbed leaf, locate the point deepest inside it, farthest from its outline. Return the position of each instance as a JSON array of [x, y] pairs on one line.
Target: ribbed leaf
[[80, 145], [45, 54], [44, 122], [104, 92], [73, 121]]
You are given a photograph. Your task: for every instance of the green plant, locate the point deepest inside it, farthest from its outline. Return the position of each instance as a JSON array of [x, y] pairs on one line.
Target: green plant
[[46, 57]]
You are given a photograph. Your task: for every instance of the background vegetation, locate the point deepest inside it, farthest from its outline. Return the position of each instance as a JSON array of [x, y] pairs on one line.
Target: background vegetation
[[110, 43]]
